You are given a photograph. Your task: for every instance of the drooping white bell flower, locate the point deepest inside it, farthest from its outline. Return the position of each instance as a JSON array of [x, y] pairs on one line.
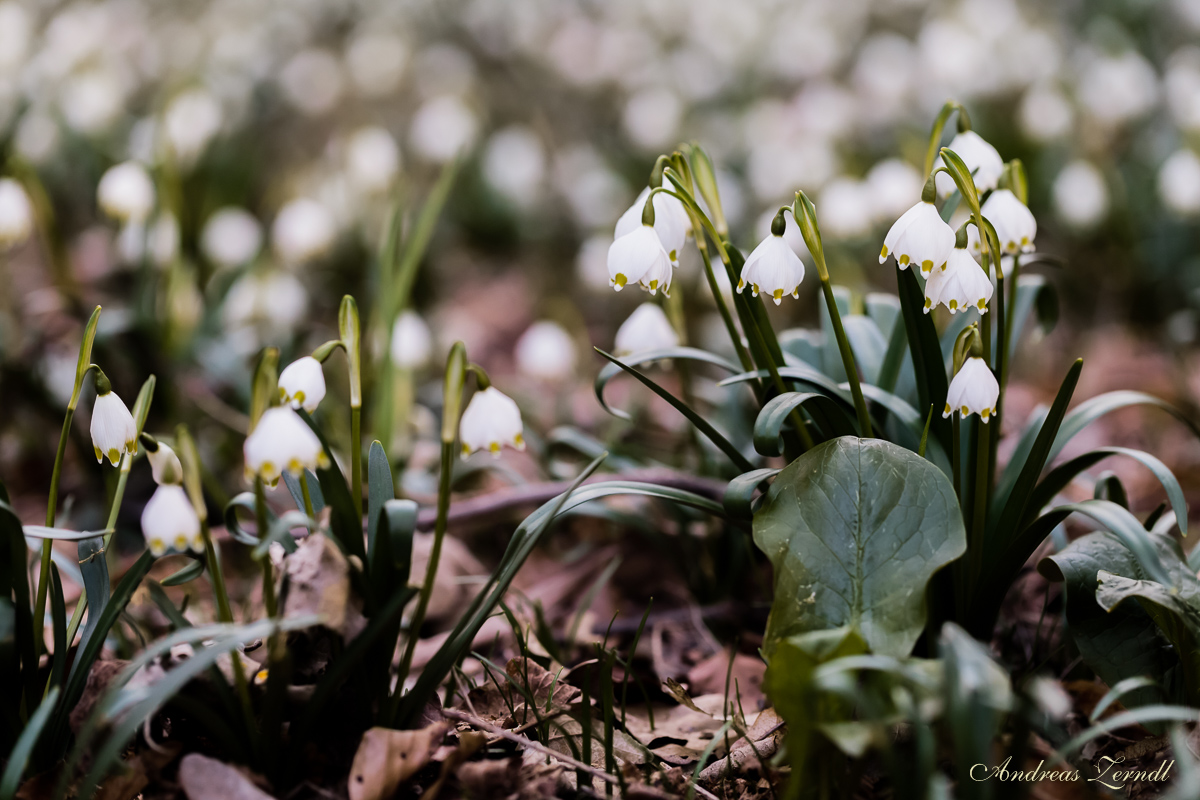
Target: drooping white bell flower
[[126, 192], [113, 429], [974, 390], [169, 521], [412, 342], [772, 268], [546, 351], [281, 442], [960, 285], [304, 229], [490, 420], [646, 329], [638, 257], [919, 237], [231, 237], [164, 465], [982, 160], [671, 221], [302, 384], [1013, 221], [16, 213]]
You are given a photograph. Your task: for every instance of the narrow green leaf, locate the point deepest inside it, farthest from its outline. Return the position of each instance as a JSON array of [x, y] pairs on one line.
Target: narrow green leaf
[[314, 490], [380, 488], [58, 615], [1117, 692], [1139, 716], [185, 574], [702, 425], [18, 759], [613, 369], [926, 353], [345, 522], [739, 495], [94, 567], [1090, 410], [768, 426]]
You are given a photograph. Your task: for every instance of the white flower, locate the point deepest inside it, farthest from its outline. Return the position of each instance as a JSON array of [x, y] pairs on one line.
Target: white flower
[[412, 342], [281, 441], [639, 257], [973, 391], [231, 237], [1080, 194], [1178, 184], [16, 213], [190, 122], [919, 237], [960, 285], [442, 128], [646, 329], [302, 383], [1013, 221], [546, 351], [169, 521], [892, 184], [772, 268], [126, 192], [163, 240], [113, 429], [491, 419], [983, 162], [671, 221], [514, 163], [303, 230], [372, 159], [164, 465], [274, 301]]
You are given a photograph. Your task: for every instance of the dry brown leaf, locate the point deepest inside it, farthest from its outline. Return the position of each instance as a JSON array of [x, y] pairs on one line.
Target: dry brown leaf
[[317, 581], [567, 731], [450, 594], [745, 679], [204, 778], [387, 758], [505, 704]]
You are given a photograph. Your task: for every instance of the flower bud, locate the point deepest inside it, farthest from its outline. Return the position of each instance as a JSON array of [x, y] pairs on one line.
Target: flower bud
[[164, 463]]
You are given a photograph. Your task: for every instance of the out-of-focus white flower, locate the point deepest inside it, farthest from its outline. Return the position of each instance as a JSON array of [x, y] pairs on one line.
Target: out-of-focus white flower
[[593, 191], [651, 117], [16, 213], [442, 128], [591, 262], [1181, 81], [303, 230], [163, 239], [974, 390], [846, 208], [412, 342], [126, 192], [983, 162], [1178, 183], [919, 237], [302, 384], [91, 101], [113, 429], [959, 285], [1116, 89], [376, 62], [772, 268], [231, 237], [16, 34], [891, 186], [164, 465], [37, 136], [1045, 114], [646, 329], [274, 301], [638, 257], [169, 521], [312, 81], [190, 122], [514, 163], [546, 351], [1080, 194], [490, 420], [671, 221], [372, 159], [1014, 222], [281, 442]]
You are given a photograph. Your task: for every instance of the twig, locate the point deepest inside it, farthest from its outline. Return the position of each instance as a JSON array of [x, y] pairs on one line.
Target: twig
[[489, 505], [475, 722]]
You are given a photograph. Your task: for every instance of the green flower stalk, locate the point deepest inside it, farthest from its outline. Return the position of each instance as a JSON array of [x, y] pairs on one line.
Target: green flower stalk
[[82, 367], [805, 214]]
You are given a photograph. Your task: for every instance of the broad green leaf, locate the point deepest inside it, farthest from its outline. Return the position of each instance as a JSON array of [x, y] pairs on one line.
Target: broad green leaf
[[803, 345], [94, 568], [381, 487], [1117, 644], [855, 529], [868, 344]]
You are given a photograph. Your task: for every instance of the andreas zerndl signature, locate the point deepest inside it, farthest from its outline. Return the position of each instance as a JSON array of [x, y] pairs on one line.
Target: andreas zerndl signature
[[1111, 772]]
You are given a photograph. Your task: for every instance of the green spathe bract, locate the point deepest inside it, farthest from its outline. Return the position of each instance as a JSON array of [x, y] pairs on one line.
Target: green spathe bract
[[855, 529]]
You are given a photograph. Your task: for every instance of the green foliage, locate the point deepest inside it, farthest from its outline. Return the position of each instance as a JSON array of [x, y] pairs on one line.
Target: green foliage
[[855, 529]]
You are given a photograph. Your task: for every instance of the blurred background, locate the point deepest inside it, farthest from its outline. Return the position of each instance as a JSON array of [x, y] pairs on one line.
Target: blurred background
[[278, 136]]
